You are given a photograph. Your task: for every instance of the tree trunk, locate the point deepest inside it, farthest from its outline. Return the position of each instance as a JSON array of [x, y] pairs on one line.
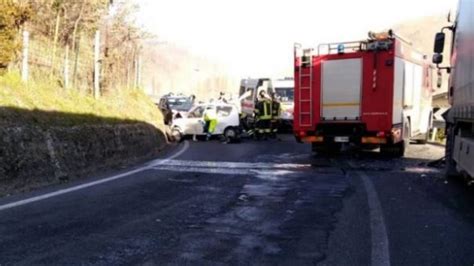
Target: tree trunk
[[76, 25], [76, 60], [55, 42]]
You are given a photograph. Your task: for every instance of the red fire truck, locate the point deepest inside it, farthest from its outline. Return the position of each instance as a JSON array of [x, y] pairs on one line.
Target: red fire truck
[[372, 93]]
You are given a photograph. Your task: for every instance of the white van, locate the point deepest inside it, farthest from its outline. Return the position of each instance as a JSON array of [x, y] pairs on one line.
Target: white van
[[285, 89]]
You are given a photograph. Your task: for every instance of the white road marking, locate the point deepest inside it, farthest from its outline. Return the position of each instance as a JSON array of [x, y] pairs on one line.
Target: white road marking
[[233, 165], [204, 170], [94, 183], [380, 252], [203, 167]]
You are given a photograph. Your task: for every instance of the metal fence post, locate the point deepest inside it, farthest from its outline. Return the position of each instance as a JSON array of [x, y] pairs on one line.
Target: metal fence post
[[24, 65], [139, 71], [97, 65]]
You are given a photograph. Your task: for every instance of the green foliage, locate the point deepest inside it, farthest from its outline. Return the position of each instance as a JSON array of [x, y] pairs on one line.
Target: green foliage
[[43, 95], [12, 16]]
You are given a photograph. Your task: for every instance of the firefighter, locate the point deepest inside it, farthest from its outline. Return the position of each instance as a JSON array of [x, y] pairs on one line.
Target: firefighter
[[263, 115], [210, 118], [276, 112]]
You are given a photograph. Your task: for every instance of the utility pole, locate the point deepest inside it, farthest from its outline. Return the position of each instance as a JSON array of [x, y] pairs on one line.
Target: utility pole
[[24, 65], [97, 65]]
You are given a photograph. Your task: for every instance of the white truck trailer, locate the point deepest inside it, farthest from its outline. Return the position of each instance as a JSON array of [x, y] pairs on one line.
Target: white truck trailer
[[460, 118]]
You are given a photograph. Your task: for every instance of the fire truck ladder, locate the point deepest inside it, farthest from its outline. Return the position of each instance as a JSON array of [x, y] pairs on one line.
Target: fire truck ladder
[[305, 85]]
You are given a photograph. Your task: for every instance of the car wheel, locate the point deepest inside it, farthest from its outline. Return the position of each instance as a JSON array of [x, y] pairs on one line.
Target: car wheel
[[230, 134], [177, 135]]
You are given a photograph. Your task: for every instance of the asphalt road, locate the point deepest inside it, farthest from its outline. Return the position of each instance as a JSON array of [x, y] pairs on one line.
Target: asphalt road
[[259, 203]]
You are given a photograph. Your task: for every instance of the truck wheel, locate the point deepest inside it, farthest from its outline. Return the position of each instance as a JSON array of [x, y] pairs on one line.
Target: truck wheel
[[318, 149], [326, 149], [396, 150], [399, 150]]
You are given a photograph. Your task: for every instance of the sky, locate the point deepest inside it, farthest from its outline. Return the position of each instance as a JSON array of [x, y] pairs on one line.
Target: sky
[[255, 37]]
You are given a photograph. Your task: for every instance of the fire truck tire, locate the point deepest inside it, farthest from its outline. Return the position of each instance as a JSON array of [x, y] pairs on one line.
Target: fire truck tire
[[396, 150], [318, 149], [325, 149]]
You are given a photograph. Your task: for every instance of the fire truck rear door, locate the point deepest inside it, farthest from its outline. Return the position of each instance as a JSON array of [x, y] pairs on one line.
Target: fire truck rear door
[[341, 89]]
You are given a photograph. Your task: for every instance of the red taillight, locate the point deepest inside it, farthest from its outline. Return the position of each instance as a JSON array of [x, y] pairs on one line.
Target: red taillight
[[302, 133]]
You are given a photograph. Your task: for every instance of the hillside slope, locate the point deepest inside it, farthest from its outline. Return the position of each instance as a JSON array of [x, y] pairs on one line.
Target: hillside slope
[[421, 33], [26, 103]]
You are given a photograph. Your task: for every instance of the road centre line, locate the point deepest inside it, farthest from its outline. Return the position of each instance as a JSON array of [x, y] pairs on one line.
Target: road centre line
[[94, 183], [234, 165], [380, 252], [269, 174]]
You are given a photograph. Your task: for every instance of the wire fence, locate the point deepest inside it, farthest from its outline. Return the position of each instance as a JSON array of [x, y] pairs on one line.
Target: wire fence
[[71, 67], [77, 66]]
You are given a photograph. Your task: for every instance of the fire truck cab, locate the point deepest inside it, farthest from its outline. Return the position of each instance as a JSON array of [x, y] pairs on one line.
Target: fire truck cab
[[372, 93]]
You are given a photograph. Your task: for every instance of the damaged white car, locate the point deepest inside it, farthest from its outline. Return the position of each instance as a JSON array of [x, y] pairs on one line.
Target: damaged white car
[[228, 122]]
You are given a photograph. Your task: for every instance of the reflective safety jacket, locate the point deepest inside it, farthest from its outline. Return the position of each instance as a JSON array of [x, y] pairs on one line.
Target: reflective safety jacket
[[263, 109], [276, 109], [210, 115]]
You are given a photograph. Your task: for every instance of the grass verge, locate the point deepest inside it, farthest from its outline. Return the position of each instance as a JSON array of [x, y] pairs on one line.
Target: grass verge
[[19, 101]]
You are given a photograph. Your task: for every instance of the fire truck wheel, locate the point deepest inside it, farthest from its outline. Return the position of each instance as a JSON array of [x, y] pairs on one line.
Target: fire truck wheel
[[394, 150], [318, 149], [326, 149]]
